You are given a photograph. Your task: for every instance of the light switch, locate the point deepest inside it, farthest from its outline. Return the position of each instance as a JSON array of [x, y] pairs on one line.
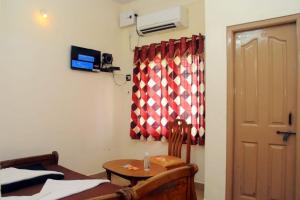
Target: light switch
[[128, 77]]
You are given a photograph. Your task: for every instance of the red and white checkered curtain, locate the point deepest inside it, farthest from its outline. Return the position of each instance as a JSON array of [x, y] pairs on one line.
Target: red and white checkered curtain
[[168, 84]]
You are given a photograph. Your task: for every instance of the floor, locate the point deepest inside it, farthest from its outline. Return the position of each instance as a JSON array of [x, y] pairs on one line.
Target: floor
[[120, 181]]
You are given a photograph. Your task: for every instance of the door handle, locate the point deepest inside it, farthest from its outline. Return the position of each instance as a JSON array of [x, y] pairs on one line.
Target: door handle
[[286, 134]]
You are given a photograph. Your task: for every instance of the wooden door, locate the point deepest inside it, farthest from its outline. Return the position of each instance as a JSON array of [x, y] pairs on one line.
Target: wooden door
[[265, 77]]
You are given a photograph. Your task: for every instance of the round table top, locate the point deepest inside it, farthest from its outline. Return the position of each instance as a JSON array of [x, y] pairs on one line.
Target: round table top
[[119, 167]]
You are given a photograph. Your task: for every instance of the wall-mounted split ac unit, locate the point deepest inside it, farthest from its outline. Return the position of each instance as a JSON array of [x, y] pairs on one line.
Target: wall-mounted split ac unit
[[175, 17]]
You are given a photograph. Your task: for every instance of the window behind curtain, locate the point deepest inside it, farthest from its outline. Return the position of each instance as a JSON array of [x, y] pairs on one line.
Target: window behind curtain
[[168, 83]]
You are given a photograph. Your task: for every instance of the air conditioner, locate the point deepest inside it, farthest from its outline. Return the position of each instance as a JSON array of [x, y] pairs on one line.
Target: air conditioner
[[175, 17]]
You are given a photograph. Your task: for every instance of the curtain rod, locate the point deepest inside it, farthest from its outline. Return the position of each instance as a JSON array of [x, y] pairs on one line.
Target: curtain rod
[[175, 41]]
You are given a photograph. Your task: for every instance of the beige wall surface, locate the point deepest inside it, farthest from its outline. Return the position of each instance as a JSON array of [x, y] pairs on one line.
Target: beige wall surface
[[85, 116], [218, 15], [133, 148], [44, 105]]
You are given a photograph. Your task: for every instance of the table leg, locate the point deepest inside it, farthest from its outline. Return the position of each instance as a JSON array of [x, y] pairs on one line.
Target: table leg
[[133, 182], [108, 174]]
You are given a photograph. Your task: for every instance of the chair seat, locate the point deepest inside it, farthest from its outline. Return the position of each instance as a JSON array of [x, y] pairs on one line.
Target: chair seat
[[169, 162]]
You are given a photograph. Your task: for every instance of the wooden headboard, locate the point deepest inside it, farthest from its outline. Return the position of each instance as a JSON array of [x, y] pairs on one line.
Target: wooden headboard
[[178, 182], [47, 159]]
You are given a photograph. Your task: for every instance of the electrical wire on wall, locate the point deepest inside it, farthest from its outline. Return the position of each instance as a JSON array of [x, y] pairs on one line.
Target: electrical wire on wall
[[132, 47]]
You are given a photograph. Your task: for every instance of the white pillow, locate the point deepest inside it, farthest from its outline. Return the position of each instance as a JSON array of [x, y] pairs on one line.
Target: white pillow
[[13, 175]]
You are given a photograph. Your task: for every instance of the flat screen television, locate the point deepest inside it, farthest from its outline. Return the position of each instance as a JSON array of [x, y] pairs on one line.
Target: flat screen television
[[85, 59]]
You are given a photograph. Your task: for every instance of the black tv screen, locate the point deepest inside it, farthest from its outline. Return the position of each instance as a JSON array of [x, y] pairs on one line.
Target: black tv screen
[[85, 59]]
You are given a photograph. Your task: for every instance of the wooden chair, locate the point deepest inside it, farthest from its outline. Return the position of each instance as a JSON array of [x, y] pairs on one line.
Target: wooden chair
[[179, 130], [175, 184]]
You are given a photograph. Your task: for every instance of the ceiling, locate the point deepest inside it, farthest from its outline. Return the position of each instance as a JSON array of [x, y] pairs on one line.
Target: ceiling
[[123, 1]]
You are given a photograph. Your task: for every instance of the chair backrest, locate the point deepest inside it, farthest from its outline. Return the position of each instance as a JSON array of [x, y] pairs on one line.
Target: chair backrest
[[175, 184], [179, 130]]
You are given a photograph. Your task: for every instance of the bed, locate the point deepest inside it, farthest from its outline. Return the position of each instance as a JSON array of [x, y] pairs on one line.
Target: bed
[[50, 162], [175, 184]]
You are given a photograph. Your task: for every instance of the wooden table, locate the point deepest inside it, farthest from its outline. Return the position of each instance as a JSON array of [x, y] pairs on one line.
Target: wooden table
[[118, 168]]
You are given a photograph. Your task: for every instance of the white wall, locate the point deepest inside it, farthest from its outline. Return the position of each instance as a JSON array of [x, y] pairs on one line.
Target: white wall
[[44, 105], [218, 15], [133, 148]]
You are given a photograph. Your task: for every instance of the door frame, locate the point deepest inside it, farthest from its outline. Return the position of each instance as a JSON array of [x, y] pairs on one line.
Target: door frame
[[231, 31]]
